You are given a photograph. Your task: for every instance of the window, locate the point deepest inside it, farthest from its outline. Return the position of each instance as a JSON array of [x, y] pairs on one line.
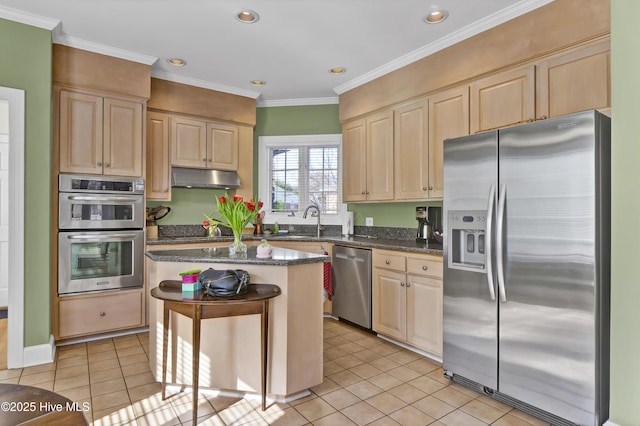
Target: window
[[298, 171]]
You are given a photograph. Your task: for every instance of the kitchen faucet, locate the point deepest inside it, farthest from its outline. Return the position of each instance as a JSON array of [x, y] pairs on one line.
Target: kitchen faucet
[[304, 216]]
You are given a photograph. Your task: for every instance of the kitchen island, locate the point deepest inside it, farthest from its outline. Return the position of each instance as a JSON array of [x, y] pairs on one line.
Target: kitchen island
[[230, 347]]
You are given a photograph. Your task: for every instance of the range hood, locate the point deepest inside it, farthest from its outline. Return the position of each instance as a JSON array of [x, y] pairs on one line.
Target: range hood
[[182, 177]]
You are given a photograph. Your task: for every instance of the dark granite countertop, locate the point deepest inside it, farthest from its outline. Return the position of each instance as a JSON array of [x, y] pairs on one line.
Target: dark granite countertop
[[409, 246], [280, 256]]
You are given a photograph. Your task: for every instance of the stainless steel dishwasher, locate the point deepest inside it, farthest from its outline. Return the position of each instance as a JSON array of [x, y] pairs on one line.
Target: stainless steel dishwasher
[[352, 285]]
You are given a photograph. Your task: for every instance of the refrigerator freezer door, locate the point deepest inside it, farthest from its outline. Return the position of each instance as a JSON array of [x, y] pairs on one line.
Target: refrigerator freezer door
[[548, 322], [470, 311]]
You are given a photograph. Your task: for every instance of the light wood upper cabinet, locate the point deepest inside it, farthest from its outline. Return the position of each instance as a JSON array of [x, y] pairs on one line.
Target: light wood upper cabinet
[[448, 118], [158, 183], [411, 139], [100, 135], [122, 144], [354, 162], [420, 130], [188, 142], [204, 145], [503, 98], [380, 156], [368, 158], [575, 80], [222, 153], [80, 133]]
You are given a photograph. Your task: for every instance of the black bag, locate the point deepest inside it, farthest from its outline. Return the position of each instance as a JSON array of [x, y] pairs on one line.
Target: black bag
[[229, 282]]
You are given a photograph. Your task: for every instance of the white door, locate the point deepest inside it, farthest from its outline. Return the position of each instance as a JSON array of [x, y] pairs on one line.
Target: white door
[[4, 203]]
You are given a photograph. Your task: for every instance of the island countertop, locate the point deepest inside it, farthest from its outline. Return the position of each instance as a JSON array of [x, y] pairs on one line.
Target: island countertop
[[280, 256]]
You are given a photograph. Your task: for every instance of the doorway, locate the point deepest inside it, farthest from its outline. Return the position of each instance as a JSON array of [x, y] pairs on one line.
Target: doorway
[[11, 227]]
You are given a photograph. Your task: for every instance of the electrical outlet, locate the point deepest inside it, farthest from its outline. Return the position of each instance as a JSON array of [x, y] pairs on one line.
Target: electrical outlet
[[369, 221]]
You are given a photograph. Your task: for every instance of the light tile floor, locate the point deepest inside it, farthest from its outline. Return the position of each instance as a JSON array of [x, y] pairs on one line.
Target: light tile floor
[[368, 381]]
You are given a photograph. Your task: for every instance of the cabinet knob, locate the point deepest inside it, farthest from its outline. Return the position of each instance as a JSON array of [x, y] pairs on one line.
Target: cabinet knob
[[102, 314], [430, 188], [386, 262], [107, 165], [363, 192], [99, 164], [424, 188], [210, 160], [424, 268], [204, 159], [401, 284], [408, 285], [367, 192]]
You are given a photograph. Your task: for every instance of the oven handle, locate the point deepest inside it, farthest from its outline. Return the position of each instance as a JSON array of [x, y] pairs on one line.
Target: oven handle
[[100, 237], [103, 199]]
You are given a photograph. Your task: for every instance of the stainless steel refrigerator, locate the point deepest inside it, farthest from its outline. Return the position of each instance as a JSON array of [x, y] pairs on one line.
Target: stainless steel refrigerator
[[526, 257]]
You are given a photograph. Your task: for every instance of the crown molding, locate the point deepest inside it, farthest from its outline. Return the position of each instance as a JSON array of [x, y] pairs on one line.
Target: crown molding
[[298, 102], [28, 18], [163, 75], [103, 49], [483, 25]]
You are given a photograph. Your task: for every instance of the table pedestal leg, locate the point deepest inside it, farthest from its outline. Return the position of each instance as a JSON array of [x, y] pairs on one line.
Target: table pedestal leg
[[264, 336], [196, 358], [165, 343]]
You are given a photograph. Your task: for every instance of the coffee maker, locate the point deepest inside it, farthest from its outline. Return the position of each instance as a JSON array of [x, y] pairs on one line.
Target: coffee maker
[[429, 220]]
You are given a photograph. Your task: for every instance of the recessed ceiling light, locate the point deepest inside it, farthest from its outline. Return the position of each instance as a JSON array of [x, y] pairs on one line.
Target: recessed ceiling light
[[247, 16], [436, 16], [338, 70], [177, 62], [258, 82]]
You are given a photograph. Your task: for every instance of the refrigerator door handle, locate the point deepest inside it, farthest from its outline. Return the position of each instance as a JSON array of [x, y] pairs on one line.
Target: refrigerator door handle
[[502, 199], [488, 244]]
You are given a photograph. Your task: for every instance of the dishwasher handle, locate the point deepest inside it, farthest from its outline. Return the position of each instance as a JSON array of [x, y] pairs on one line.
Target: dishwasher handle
[[349, 257]]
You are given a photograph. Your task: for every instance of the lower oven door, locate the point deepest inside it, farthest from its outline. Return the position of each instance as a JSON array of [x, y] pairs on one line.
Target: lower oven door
[[99, 260]]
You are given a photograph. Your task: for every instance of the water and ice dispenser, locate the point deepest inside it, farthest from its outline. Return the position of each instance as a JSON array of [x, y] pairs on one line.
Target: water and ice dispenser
[[467, 242]]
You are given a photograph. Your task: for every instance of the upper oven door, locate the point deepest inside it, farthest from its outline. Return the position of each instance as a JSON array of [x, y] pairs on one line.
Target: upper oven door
[[100, 211]]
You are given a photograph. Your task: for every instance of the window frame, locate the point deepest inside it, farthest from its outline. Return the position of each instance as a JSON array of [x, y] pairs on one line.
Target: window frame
[[264, 191]]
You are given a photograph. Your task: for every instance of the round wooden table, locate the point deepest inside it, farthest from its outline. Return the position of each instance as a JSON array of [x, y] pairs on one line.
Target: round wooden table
[[27, 404], [199, 305]]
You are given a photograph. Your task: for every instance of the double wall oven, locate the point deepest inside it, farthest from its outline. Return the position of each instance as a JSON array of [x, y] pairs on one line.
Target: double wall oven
[[101, 233]]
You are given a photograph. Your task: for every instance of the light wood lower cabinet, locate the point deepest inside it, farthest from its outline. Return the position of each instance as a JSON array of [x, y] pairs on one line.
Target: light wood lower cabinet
[[100, 313], [407, 298]]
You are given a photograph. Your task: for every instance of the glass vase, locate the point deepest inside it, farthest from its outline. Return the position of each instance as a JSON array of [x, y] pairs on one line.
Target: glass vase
[[238, 248]]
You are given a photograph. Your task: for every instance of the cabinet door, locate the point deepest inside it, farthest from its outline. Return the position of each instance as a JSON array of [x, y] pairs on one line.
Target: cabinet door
[[222, 142], [389, 303], [380, 156], [424, 313], [122, 142], [158, 183], [188, 142], [503, 98], [354, 170], [80, 133], [411, 148], [575, 80], [448, 118]]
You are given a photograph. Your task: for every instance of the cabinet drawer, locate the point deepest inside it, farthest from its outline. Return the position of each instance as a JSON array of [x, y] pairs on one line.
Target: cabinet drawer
[[431, 267], [98, 314], [389, 260]]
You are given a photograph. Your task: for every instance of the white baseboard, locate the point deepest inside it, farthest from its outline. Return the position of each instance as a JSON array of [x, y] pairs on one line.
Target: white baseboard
[[39, 354], [610, 423]]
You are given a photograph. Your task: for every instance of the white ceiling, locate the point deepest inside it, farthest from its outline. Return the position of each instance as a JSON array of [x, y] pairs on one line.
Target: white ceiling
[[291, 47]]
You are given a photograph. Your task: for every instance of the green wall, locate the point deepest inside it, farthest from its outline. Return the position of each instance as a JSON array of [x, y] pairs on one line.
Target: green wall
[[188, 205], [625, 252], [26, 65]]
